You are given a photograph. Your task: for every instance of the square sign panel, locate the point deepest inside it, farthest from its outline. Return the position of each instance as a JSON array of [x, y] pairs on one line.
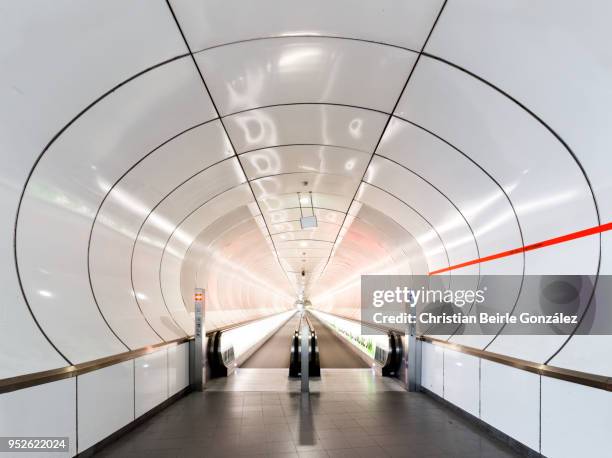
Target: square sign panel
[[308, 222]]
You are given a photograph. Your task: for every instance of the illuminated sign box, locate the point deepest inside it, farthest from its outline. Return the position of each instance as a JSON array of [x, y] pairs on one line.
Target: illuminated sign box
[[308, 222]]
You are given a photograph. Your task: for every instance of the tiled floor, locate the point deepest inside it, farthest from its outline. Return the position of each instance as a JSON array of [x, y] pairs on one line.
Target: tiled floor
[[325, 424], [331, 380]]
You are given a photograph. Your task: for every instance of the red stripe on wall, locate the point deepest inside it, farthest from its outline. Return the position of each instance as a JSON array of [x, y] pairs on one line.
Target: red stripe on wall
[[533, 246]]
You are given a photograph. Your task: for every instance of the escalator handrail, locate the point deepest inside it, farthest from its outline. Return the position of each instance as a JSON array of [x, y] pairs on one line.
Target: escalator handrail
[[229, 327], [367, 323]]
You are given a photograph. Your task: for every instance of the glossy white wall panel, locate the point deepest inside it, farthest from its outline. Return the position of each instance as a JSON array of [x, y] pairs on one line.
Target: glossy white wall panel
[[433, 206], [304, 158], [69, 183], [175, 254], [405, 24], [462, 381], [513, 147], [480, 200], [32, 114], [568, 70], [160, 226], [319, 124], [419, 228], [178, 368], [151, 381], [576, 419], [126, 208], [105, 402], [47, 410], [510, 401], [536, 348], [260, 73], [432, 368]]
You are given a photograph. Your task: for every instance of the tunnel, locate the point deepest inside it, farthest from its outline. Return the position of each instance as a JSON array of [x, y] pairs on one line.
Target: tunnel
[[199, 199]]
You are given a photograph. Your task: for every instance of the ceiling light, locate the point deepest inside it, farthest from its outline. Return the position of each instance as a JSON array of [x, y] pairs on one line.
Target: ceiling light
[[308, 222], [304, 200]]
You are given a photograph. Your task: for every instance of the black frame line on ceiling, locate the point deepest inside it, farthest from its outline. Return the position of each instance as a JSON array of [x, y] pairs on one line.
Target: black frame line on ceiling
[[305, 35], [497, 184], [576, 160], [29, 177], [291, 145], [425, 220], [384, 129], [95, 219], [142, 225], [229, 138], [440, 192], [297, 221], [273, 175], [215, 240], [305, 103]]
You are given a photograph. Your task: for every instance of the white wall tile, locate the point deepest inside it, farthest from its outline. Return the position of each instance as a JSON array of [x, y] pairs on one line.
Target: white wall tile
[[576, 420], [510, 401], [44, 410], [178, 368], [151, 381], [461, 381], [432, 371], [105, 402]]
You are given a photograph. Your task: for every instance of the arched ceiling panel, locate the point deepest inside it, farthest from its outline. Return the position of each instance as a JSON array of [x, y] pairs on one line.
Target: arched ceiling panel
[[306, 124], [478, 120], [68, 185], [564, 78], [451, 226], [126, 208], [206, 23], [304, 159], [481, 201], [252, 74], [163, 224]]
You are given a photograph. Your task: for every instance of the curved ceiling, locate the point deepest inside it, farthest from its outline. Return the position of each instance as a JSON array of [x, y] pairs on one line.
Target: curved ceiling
[[146, 152]]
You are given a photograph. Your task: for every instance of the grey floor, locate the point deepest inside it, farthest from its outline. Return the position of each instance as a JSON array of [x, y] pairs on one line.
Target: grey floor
[[333, 352], [357, 424], [275, 352]]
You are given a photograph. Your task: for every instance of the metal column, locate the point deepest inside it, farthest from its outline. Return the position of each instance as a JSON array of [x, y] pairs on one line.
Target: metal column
[[414, 355], [305, 341], [196, 349]]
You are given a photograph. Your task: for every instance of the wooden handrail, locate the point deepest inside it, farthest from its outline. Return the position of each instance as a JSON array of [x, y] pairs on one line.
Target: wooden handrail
[[582, 378], [38, 378]]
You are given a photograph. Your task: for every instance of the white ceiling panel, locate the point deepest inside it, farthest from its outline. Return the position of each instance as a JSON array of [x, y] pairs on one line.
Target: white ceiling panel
[[69, 183], [404, 23], [481, 201], [305, 183], [260, 73], [279, 216], [306, 124], [303, 244], [441, 214], [126, 208], [542, 179], [566, 73], [305, 159]]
